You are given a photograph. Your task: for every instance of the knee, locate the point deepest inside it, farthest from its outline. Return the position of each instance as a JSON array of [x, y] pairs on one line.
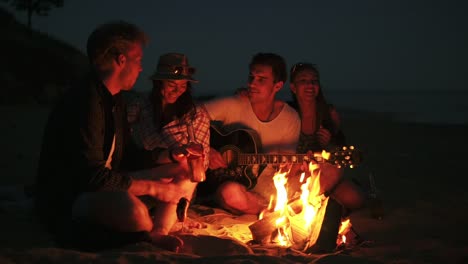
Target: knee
[[140, 219], [349, 196], [355, 200], [230, 193]]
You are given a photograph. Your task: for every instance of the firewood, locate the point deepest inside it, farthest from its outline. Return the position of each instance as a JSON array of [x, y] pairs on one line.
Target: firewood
[[263, 229]]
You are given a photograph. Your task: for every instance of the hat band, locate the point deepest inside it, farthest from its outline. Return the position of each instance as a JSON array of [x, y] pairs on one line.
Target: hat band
[[176, 70]]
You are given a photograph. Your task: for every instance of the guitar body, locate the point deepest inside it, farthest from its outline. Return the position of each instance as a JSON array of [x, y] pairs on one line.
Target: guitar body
[[241, 150], [231, 145]]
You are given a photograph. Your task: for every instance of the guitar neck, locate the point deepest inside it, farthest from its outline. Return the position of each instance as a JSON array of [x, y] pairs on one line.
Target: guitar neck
[[250, 159]]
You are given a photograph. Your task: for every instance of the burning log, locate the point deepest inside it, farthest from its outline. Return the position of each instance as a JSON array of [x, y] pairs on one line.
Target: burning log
[[295, 206], [263, 229], [325, 240], [305, 236], [303, 222]]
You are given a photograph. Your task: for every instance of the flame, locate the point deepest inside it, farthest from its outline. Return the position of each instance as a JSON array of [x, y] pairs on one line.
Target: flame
[[305, 222], [280, 181], [326, 155], [344, 228]]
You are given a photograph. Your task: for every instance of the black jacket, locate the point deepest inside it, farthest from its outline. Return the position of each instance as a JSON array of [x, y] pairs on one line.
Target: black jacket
[[76, 143]]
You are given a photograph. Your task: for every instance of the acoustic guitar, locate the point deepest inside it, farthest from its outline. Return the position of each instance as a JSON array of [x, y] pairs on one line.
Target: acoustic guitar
[[241, 151]]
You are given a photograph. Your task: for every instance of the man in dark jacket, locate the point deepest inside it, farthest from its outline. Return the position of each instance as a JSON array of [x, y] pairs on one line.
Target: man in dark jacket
[[87, 178]]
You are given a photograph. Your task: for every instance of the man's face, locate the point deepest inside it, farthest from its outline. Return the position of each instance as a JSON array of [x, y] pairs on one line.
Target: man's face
[[132, 67], [172, 89], [305, 85], [262, 85]]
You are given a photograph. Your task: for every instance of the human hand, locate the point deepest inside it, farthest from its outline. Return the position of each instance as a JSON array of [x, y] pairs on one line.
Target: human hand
[[216, 160], [172, 192], [311, 165], [323, 136], [242, 92], [190, 150]]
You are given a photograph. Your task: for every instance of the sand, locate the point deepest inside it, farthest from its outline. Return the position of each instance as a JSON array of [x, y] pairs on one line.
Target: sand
[[418, 169]]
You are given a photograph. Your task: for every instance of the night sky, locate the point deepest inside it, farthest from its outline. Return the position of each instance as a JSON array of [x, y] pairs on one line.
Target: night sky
[[370, 45]]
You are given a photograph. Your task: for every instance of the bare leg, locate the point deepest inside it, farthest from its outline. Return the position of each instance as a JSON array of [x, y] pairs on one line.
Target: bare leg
[[349, 195], [342, 190], [119, 211], [164, 219], [235, 198], [330, 175]]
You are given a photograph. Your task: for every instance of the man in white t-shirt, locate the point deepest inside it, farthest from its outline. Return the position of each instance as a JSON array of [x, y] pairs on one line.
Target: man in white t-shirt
[[274, 121]]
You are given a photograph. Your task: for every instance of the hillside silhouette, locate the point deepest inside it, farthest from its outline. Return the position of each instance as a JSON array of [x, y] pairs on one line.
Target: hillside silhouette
[[38, 67]]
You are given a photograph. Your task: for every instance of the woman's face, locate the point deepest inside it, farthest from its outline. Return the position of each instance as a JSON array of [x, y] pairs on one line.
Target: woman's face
[[172, 89], [306, 85]]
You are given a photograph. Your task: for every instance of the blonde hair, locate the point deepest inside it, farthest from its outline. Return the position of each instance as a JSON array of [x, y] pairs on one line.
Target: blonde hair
[[111, 39]]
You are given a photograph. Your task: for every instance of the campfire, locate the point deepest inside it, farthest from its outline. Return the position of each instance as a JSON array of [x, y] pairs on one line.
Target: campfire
[[295, 222]]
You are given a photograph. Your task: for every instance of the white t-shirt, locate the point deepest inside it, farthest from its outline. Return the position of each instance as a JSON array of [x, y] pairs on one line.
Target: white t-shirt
[[279, 135]]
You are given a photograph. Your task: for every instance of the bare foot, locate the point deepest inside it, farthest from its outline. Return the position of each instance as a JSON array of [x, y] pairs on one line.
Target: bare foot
[[188, 225], [167, 242]]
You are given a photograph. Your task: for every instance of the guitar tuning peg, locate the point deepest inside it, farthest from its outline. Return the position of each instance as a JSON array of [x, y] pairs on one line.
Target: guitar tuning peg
[[345, 148], [351, 147], [351, 166]]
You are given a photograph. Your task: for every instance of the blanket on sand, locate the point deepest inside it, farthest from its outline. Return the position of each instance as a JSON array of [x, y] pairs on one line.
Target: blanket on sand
[[210, 235]]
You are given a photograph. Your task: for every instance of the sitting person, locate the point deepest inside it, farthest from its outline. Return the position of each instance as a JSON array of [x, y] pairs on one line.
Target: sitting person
[[277, 134], [87, 182], [320, 130], [168, 116], [275, 122]]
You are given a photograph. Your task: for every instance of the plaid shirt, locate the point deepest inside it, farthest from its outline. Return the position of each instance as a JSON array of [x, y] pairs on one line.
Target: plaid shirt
[[141, 117]]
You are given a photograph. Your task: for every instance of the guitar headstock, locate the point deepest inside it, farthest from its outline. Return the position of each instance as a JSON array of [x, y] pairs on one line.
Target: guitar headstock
[[346, 156]]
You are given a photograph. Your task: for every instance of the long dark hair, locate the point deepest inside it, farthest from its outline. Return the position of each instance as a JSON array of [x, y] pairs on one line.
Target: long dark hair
[[323, 108], [177, 110]]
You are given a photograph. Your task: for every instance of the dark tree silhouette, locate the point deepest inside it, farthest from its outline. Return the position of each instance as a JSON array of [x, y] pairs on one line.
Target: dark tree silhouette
[[38, 7]]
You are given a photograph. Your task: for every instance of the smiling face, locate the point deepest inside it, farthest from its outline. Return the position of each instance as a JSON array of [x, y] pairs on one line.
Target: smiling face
[[171, 90], [305, 85], [262, 85]]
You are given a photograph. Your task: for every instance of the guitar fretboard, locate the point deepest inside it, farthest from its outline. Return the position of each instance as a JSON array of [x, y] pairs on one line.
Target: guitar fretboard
[[250, 159]]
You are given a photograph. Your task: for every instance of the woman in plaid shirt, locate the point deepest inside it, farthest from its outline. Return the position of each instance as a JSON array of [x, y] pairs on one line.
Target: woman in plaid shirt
[[168, 118], [163, 118]]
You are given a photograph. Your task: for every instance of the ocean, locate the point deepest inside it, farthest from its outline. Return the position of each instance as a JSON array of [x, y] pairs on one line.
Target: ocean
[[434, 107]]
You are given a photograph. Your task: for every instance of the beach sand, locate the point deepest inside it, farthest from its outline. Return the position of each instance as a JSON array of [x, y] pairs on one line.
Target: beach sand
[[418, 170]]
